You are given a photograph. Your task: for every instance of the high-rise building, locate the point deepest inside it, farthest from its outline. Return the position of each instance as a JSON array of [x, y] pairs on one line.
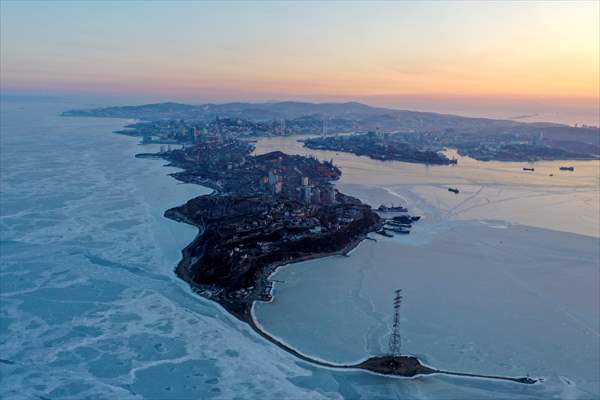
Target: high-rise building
[[283, 127], [316, 196], [306, 194], [275, 183], [278, 186], [328, 196], [196, 134], [272, 178]]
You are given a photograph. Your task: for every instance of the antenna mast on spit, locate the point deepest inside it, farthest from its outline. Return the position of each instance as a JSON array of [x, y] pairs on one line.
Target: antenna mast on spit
[[395, 339]]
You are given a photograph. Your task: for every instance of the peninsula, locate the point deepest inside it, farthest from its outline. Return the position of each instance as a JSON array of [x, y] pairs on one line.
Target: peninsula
[[267, 211], [380, 147], [426, 148]]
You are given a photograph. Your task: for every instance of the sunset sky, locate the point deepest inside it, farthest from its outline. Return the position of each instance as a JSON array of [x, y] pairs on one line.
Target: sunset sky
[[313, 51]]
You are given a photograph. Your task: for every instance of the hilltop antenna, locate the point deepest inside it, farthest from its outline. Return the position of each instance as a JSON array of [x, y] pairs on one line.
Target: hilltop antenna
[[395, 339]]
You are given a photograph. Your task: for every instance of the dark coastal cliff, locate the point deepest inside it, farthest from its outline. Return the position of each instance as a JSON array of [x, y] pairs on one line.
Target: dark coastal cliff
[[218, 259], [267, 210]]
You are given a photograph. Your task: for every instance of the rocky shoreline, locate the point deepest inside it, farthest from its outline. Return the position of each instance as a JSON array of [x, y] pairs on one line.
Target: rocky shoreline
[[227, 291], [258, 218], [252, 224], [403, 366], [241, 309]]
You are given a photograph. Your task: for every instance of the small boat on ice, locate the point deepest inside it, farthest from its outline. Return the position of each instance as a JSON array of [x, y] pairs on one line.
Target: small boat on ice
[[384, 208], [398, 230], [383, 232], [398, 224], [406, 219]]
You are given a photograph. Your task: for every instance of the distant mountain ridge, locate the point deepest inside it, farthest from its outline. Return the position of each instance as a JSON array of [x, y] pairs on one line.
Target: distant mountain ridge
[[272, 110]]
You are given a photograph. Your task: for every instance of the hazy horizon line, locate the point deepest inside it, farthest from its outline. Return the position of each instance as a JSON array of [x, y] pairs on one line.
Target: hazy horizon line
[[569, 110]]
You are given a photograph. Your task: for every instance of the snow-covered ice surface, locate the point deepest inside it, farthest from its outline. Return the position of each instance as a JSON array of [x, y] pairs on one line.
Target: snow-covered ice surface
[[502, 278], [90, 307]]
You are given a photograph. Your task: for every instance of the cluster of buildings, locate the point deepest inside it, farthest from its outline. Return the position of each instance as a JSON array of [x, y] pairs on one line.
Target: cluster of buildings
[[302, 179], [187, 131], [230, 165], [267, 193], [380, 146], [306, 192], [191, 132]]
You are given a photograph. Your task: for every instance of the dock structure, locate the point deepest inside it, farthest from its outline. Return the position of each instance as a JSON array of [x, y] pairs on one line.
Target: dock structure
[[395, 338]]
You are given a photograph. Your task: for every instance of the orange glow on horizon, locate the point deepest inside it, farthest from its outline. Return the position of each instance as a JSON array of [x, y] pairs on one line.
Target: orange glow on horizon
[[517, 50]]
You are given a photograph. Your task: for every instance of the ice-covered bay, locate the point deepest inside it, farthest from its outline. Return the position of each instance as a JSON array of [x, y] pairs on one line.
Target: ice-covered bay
[[503, 278], [90, 307]]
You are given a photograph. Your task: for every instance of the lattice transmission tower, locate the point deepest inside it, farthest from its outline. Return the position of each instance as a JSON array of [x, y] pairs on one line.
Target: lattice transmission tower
[[395, 339]]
